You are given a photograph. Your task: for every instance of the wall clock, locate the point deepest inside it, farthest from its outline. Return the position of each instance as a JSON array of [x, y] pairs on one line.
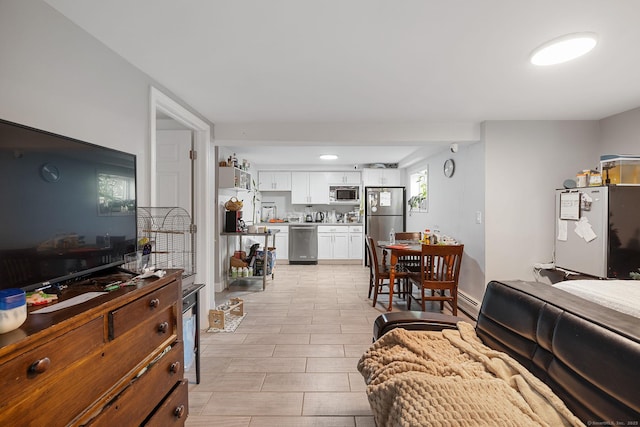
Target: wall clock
[[449, 168], [49, 172]]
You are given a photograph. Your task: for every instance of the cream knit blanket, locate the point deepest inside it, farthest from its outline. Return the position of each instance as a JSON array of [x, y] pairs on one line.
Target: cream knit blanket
[[451, 378]]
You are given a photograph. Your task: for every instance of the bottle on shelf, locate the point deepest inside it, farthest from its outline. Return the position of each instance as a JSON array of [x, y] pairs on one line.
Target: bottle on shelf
[[392, 237]]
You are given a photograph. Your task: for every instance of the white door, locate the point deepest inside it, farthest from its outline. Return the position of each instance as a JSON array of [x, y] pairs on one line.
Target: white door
[[173, 169]]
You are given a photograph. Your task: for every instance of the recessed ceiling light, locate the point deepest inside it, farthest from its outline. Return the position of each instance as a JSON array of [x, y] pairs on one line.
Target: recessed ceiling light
[[328, 157], [563, 49]]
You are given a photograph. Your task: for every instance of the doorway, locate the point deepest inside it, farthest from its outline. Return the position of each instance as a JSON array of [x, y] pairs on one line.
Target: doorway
[[202, 184]]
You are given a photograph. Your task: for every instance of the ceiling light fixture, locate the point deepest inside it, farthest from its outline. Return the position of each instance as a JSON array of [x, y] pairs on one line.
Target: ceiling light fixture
[[564, 48], [328, 157]]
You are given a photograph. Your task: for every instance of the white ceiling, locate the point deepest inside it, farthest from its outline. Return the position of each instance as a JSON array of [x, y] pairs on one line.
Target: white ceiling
[[374, 61]]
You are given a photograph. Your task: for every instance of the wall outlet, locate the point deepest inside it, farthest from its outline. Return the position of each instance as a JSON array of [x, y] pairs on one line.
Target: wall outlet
[[478, 217]]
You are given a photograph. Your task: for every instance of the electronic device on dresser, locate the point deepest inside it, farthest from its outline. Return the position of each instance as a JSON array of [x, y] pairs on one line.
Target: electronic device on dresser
[[344, 194], [69, 207]]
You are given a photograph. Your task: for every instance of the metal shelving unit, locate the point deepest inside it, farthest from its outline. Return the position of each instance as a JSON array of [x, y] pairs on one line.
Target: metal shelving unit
[[265, 270]]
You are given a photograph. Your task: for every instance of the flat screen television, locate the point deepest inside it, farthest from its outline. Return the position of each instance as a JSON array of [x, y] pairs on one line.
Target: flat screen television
[[68, 208]]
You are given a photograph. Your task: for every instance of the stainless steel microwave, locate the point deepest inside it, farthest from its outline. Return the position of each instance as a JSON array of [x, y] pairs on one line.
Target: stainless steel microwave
[[344, 194]]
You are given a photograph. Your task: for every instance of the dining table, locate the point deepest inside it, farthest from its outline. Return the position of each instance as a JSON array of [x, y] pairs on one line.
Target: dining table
[[398, 249]]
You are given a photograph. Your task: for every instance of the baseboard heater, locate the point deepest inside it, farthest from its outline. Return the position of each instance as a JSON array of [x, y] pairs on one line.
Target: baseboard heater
[[468, 304]]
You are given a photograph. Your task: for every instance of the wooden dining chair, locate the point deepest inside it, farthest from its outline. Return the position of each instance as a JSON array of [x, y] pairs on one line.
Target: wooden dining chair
[[438, 276], [380, 273], [410, 264]]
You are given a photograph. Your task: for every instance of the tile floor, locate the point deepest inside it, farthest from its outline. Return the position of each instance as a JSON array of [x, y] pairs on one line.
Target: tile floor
[[292, 361]]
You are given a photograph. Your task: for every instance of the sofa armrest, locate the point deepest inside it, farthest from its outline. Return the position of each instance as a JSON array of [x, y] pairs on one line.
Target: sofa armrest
[[413, 320]]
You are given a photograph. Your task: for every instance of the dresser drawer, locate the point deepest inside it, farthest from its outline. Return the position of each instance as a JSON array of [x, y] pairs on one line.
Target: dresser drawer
[[137, 401], [174, 409], [41, 365], [129, 316], [149, 335]]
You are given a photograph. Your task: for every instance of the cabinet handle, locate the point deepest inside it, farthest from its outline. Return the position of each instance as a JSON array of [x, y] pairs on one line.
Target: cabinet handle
[[39, 366], [179, 411], [163, 327], [154, 303], [175, 367]]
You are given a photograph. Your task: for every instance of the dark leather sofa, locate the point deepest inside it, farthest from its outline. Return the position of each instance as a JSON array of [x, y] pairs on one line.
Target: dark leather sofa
[[587, 354]]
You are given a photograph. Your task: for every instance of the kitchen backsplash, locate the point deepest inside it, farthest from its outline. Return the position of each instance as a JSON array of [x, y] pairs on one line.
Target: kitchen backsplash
[[284, 208]]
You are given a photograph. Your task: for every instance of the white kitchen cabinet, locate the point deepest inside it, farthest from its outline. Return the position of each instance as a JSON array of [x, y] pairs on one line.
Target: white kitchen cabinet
[[238, 179], [282, 241], [274, 181], [347, 178], [309, 188], [333, 242], [381, 177], [356, 244]]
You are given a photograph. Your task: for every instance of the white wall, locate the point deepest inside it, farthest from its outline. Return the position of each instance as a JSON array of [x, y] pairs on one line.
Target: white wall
[[54, 76], [525, 162], [453, 203], [620, 134]]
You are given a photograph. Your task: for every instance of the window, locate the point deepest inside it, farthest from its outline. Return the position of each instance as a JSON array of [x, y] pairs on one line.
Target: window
[[418, 191]]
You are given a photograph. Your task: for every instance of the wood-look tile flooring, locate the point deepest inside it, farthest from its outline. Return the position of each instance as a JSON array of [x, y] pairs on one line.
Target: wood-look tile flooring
[[292, 361]]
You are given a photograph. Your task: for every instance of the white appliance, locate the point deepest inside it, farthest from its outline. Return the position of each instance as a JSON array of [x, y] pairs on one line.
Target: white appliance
[[598, 231], [344, 194]]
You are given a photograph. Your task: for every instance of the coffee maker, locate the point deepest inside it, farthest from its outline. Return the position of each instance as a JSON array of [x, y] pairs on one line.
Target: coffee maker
[[233, 222]]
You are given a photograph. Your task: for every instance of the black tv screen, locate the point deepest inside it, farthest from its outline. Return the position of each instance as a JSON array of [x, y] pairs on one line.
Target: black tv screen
[[68, 207]]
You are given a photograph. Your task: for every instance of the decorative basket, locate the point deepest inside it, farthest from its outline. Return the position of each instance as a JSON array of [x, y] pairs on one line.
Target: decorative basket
[[233, 204]]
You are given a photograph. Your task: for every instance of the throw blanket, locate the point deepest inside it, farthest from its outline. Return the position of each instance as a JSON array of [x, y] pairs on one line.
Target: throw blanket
[[451, 378]]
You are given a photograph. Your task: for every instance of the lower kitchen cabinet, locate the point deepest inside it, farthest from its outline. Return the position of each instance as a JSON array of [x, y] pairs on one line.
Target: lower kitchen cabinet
[[334, 242], [340, 242], [282, 241], [356, 244]]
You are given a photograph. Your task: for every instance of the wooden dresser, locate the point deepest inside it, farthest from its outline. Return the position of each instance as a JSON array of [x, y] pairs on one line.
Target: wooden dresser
[[116, 359]]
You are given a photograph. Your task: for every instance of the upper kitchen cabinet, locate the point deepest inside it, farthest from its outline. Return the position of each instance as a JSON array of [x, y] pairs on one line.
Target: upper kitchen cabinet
[[351, 178], [234, 178], [309, 188], [274, 181], [384, 177]]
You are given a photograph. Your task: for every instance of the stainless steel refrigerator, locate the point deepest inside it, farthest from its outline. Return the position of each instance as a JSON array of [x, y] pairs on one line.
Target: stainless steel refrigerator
[[385, 209], [598, 231]]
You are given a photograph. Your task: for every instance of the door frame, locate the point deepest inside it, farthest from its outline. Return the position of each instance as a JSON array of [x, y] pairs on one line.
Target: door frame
[[203, 188]]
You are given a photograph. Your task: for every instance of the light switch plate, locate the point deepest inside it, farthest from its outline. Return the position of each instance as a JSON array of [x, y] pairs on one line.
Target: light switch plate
[[478, 217]]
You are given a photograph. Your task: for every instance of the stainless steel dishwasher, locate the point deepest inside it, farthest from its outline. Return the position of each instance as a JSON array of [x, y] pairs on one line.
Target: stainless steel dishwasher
[[303, 244]]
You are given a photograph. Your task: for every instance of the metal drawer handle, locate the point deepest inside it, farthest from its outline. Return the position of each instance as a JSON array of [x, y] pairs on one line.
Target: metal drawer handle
[[179, 411], [154, 303], [163, 327], [39, 366], [175, 367]]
